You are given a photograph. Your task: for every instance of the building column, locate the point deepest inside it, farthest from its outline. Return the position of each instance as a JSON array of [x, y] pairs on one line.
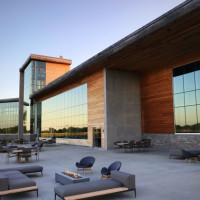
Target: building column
[[35, 130], [21, 105]]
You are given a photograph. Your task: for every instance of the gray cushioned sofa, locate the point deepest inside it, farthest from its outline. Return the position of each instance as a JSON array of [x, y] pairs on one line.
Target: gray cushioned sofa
[[14, 180], [119, 182]]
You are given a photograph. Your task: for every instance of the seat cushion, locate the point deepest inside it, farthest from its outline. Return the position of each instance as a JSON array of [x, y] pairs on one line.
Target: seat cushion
[[78, 165], [25, 169], [85, 187], [10, 172], [195, 152], [3, 182], [15, 176], [21, 183]]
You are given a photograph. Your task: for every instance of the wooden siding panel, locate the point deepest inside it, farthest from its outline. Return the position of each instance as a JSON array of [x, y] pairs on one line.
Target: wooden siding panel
[[55, 70], [157, 102], [96, 103]]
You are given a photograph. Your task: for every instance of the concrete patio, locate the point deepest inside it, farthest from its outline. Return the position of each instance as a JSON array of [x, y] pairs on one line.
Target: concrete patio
[[157, 176]]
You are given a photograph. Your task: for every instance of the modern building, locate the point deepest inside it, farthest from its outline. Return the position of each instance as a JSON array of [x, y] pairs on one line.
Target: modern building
[[146, 85]]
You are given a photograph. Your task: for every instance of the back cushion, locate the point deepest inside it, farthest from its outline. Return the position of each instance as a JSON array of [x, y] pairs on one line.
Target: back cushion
[[128, 180], [3, 182]]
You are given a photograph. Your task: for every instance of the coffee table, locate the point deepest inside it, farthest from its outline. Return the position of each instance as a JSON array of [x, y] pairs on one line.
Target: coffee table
[[64, 179]]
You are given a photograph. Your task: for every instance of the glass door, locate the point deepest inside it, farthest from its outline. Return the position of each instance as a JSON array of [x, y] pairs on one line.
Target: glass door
[[96, 137]]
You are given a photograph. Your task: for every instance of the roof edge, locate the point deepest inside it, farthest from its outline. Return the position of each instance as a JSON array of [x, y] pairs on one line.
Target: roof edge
[[10, 100], [163, 20], [45, 59]]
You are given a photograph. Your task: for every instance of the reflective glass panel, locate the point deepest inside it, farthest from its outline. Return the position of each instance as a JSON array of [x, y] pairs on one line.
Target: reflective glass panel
[[178, 84], [198, 96], [9, 117], [191, 115], [179, 99], [189, 83], [190, 98], [65, 115], [197, 79]]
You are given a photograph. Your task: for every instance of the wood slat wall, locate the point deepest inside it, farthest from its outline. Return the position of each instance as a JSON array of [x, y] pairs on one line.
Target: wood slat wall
[[96, 104], [55, 70], [157, 102]]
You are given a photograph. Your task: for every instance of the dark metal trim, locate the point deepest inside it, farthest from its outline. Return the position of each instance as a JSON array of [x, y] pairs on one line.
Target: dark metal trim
[[44, 59], [12, 100]]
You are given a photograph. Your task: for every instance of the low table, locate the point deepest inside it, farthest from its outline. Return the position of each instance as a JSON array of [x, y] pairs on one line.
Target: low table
[[64, 179]]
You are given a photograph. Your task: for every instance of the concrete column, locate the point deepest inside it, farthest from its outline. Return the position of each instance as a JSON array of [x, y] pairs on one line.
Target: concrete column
[[122, 109], [21, 105], [35, 119]]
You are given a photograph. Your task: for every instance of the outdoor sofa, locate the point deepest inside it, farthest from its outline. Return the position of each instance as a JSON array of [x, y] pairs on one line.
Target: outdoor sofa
[[13, 180], [183, 153], [119, 182]]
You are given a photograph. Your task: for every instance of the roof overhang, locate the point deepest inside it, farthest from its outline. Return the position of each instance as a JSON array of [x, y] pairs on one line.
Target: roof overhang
[[170, 39], [12, 100], [44, 59]]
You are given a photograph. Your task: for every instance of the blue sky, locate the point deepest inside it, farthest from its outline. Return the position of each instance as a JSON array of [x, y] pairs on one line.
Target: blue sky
[[75, 29]]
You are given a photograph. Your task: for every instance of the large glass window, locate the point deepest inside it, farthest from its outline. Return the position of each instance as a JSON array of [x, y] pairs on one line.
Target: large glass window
[[186, 82], [34, 79], [65, 115], [9, 117]]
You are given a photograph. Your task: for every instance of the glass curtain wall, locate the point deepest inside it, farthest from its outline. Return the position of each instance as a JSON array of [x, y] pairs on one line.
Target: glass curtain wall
[[186, 82], [66, 115], [9, 118], [34, 79]]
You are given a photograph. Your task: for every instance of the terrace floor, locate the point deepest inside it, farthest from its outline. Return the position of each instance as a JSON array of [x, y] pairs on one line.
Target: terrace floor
[[157, 176]]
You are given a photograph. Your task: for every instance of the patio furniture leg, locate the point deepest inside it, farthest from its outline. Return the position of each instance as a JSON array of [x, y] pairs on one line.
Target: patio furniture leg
[[135, 192]]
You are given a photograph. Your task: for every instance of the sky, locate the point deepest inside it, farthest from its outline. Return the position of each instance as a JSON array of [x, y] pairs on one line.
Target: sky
[[74, 29]]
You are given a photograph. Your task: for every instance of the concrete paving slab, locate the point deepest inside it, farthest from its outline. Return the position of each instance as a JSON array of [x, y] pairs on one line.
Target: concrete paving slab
[[157, 176]]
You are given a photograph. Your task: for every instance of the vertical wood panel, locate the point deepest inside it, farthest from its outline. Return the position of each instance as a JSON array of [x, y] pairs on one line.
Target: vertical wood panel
[[55, 70], [157, 102], [96, 104]]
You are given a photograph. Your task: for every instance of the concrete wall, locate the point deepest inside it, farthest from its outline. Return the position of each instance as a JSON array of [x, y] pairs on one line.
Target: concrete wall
[[122, 107], [78, 142], [167, 141]]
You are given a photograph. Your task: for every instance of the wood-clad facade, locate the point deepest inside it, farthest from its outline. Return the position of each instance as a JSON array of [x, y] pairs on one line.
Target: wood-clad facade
[[95, 84], [55, 70], [157, 101]]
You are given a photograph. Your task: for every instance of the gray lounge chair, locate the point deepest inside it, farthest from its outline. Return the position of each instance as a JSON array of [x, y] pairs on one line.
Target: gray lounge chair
[[85, 163], [105, 172]]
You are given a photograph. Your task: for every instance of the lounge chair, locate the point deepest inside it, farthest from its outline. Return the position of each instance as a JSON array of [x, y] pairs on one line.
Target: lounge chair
[[9, 155], [129, 146], [85, 163], [105, 172], [26, 153], [189, 156]]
